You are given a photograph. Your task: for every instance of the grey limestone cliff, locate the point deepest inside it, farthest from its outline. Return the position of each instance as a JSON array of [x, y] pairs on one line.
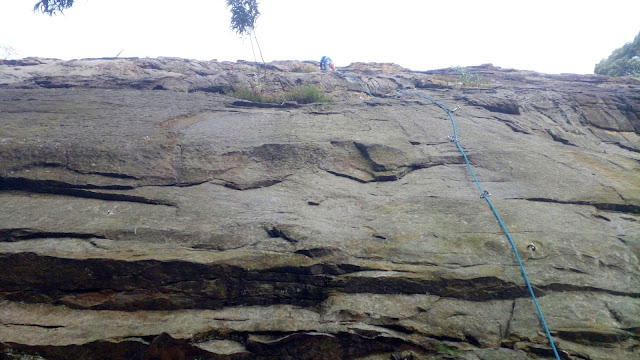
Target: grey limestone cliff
[[146, 215]]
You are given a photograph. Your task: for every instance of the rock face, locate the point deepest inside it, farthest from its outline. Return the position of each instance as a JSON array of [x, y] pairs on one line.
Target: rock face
[[146, 215]]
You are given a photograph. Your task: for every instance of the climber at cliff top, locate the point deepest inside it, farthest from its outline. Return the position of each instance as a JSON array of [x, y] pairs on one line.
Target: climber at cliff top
[[326, 61]]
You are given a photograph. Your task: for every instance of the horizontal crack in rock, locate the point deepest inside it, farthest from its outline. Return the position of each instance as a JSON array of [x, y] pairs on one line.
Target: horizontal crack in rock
[[350, 177], [161, 285], [21, 234], [622, 208], [21, 183], [622, 146], [252, 185], [88, 192], [35, 325], [256, 345], [578, 288]]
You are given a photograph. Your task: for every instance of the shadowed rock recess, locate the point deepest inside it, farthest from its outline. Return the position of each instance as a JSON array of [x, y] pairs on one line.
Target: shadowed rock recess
[[147, 215]]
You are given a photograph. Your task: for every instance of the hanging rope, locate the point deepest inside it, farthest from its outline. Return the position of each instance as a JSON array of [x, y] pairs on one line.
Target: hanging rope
[[260, 51], [485, 195]]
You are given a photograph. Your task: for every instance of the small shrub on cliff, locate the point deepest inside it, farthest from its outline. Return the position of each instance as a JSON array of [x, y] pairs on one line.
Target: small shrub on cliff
[[303, 69], [467, 79]]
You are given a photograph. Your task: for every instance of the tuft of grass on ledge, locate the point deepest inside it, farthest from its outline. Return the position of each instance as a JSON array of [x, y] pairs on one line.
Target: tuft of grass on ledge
[[304, 94], [305, 68], [251, 95], [445, 349]]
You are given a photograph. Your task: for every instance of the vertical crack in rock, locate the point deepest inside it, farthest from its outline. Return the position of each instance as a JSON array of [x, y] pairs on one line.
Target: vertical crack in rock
[[507, 328]]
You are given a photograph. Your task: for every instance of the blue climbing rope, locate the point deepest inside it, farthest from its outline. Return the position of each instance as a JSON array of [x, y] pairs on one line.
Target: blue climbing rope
[[485, 194], [358, 81]]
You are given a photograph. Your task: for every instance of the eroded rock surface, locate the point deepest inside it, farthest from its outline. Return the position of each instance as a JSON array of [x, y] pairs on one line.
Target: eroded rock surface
[[146, 215]]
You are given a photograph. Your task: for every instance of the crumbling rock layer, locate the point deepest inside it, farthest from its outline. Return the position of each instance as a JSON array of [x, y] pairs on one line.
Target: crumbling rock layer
[[146, 215]]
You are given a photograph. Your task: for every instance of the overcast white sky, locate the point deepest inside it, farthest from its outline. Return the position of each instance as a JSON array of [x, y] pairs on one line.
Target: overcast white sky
[[550, 36]]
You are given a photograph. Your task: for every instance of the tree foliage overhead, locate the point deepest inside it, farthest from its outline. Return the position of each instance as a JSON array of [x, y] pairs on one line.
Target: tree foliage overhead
[[52, 7], [243, 12], [6, 52], [624, 61], [243, 15]]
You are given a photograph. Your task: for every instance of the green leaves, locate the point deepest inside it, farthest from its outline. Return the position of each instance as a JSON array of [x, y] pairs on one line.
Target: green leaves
[[51, 7], [243, 15], [243, 12], [6, 52], [624, 61]]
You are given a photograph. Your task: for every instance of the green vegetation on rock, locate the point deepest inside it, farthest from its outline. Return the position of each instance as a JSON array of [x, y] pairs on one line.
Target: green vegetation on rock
[[467, 79], [306, 68], [304, 94], [624, 61], [446, 349]]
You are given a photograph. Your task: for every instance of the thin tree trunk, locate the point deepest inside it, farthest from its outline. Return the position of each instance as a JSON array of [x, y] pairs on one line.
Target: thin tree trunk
[[261, 57]]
